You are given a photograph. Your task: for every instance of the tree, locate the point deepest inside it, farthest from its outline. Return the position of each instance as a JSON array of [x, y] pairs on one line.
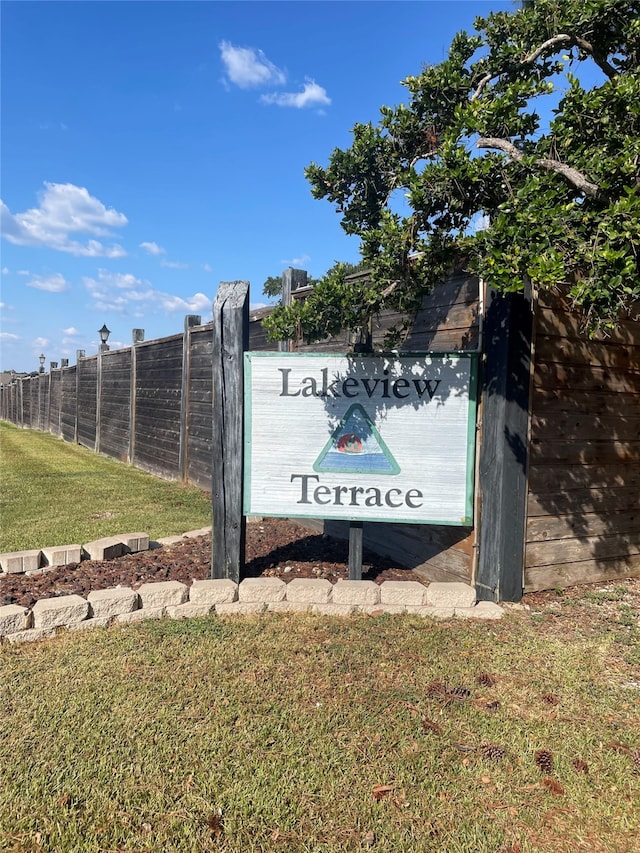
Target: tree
[[531, 126]]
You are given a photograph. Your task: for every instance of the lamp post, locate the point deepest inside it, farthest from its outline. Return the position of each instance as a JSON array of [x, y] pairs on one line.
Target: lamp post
[[104, 337], [41, 359]]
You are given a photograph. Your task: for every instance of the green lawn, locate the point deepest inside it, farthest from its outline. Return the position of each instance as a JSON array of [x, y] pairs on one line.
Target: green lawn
[[54, 493], [315, 735]]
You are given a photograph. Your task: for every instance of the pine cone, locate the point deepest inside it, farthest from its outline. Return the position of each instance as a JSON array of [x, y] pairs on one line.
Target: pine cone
[[551, 699], [458, 692], [492, 751], [544, 759]]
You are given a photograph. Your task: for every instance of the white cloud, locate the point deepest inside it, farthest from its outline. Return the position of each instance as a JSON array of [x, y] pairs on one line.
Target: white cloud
[[24, 272], [191, 305], [51, 284], [70, 331], [123, 293], [297, 262], [64, 209], [8, 336], [207, 267], [5, 270], [153, 248], [248, 67], [40, 343], [174, 265], [311, 96]]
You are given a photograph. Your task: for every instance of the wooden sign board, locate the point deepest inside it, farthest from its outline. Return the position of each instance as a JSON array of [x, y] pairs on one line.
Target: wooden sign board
[[360, 437]]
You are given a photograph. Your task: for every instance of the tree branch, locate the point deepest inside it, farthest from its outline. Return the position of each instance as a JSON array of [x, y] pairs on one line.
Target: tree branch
[[572, 175], [561, 38]]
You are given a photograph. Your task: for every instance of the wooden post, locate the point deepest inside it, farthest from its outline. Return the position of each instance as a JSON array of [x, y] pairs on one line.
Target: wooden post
[[183, 453], [230, 340], [355, 550], [80, 354], [96, 448], [291, 280], [504, 447]]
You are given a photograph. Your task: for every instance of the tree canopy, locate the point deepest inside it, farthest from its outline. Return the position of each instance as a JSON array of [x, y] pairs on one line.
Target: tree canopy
[[519, 156]]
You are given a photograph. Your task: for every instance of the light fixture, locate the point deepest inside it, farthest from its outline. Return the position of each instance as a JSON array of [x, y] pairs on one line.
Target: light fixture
[[104, 337], [41, 359]]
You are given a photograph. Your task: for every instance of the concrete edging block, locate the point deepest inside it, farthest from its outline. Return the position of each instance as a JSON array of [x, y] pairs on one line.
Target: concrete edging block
[[261, 590], [447, 594], [356, 593], [163, 594], [140, 615], [134, 542], [309, 591], [59, 612], [213, 591], [107, 548], [61, 555], [403, 592], [188, 609], [18, 562], [106, 603], [14, 618]]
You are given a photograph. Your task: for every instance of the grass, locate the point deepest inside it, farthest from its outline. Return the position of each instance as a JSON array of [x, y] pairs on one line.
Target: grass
[[54, 493], [309, 735]]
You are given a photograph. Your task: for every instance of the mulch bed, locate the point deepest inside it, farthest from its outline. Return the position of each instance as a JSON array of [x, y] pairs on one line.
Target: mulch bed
[[275, 548]]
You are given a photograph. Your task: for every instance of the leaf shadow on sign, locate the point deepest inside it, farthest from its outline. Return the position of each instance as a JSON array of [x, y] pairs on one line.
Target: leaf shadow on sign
[[381, 383]]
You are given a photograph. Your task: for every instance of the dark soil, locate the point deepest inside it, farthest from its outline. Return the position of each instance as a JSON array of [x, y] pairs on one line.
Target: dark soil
[[275, 548]]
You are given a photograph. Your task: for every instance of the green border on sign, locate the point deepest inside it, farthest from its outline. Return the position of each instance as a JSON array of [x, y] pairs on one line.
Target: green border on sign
[[466, 521]]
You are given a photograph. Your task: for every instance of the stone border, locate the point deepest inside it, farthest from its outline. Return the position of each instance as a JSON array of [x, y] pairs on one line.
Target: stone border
[[175, 600], [40, 560]]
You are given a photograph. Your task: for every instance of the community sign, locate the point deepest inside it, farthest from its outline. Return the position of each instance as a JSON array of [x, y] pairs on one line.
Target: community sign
[[360, 437]]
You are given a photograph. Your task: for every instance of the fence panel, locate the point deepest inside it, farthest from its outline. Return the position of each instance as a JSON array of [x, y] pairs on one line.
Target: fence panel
[[200, 385], [43, 401], [68, 410], [55, 399], [115, 404], [158, 395], [87, 401]]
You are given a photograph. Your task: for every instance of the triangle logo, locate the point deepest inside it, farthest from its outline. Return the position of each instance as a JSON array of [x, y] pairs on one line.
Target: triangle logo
[[356, 447]]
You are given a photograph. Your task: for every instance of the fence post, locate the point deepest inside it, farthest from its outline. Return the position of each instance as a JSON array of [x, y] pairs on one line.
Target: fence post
[[230, 340], [96, 447], [80, 353], [291, 280], [183, 456], [503, 455]]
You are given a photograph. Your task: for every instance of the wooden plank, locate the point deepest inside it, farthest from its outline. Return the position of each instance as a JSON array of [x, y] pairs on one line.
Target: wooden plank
[[547, 528], [545, 401], [568, 325], [586, 571], [230, 340], [555, 478], [598, 354], [561, 551], [586, 426], [586, 378], [585, 452], [583, 501]]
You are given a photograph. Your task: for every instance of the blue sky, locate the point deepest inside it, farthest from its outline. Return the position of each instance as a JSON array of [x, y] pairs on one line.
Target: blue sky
[[151, 150]]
